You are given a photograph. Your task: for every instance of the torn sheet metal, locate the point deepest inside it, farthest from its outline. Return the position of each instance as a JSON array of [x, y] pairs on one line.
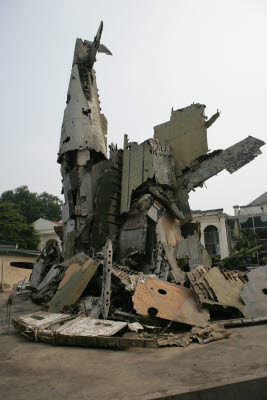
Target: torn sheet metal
[[79, 259], [168, 230], [217, 287], [167, 301], [90, 306], [37, 274], [71, 291], [176, 274], [191, 249], [106, 281], [49, 277], [107, 210], [186, 133], [143, 162], [135, 326], [127, 276], [231, 159], [254, 294]]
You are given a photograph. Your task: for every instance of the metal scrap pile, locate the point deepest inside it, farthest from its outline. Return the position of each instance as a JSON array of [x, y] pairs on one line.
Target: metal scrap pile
[[133, 270]]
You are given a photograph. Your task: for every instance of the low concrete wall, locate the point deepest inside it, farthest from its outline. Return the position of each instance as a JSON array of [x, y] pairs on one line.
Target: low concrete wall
[[11, 274]]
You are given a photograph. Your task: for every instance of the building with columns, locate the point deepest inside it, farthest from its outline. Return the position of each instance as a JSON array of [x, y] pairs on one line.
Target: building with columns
[[213, 231], [220, 232]]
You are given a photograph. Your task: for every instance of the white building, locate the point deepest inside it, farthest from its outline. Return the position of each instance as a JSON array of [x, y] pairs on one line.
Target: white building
[[220, 232], [45, 229], [213, 231]]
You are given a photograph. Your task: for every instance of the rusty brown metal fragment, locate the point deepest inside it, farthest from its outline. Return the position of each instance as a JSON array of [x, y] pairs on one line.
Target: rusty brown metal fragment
[[167, 301]]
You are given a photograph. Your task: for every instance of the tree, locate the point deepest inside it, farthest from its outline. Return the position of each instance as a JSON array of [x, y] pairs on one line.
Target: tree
[[14, 226], [32, 205]]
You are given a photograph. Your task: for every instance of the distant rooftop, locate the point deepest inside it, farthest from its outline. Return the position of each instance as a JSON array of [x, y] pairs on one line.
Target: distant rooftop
[[259, 200], [207, 212]]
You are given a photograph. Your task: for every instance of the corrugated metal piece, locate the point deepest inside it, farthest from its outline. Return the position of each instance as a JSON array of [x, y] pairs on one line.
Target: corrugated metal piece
[[167, 301], [126, 275], [217, 288], [71, 291]]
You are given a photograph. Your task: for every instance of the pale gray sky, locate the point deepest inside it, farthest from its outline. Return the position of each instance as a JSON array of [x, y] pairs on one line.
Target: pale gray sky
[[166, 53]]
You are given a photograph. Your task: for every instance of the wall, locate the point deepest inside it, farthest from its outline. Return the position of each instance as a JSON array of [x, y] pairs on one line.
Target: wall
[[250, 210], [12, 275]]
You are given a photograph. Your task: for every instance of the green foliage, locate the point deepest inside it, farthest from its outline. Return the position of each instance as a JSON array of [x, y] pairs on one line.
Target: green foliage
[[245, 246], [32, 205], [14, 226], [247, 240]]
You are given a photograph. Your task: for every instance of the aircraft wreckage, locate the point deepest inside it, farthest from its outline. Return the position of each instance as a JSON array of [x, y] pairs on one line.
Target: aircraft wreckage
[[133, 271]]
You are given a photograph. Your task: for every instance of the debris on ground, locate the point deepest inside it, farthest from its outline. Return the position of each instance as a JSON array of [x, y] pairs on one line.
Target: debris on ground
[[132, 271]]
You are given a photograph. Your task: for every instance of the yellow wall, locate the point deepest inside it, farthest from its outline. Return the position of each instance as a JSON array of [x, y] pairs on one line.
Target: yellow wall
[[12, 275]]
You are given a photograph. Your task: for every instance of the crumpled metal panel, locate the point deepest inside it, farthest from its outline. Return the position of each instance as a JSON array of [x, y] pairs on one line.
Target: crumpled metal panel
[[168, 230], [254, 294], [217, 287], [232, 159], [141, 162], [191, 249], [73, 285], [127, 276], [168, 301], [107, 210]]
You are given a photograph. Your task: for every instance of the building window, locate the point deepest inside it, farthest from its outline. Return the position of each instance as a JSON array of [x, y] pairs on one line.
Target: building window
[[258, 225], [212, 241]]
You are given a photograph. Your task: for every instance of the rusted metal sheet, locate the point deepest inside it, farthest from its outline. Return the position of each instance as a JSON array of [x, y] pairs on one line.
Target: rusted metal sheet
[[106, 281], [254, 294], [168, 230], [217, 288], [68, 294], [167, 301]]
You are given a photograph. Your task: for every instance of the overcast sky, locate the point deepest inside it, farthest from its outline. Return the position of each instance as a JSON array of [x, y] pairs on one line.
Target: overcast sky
[[166, 53]]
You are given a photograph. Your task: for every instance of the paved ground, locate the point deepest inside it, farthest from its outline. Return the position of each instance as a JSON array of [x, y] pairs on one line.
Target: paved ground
[[30, 371]]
